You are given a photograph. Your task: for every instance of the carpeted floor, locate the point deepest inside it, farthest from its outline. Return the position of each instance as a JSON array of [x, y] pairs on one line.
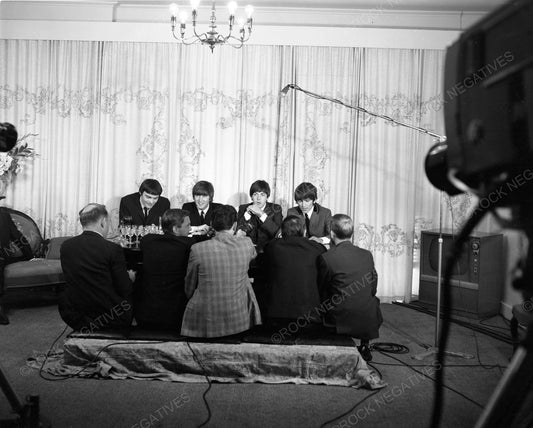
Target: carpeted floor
[[406, 402]]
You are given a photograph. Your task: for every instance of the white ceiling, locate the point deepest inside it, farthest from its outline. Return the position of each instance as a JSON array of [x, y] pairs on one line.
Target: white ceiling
[[422, 5], [376, 5], [275, 21]]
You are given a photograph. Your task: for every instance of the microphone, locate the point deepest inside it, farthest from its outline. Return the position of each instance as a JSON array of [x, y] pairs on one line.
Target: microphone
[[286, 89]]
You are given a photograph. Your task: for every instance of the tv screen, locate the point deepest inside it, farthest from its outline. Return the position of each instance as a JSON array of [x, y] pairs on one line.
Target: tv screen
[[461, 266]]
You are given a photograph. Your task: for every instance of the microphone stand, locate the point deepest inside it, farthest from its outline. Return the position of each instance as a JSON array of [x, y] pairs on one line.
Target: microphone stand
[[440, 139], [435, 349]]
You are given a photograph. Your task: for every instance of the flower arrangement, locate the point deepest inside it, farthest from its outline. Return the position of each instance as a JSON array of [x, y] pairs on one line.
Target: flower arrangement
[[11, 162]]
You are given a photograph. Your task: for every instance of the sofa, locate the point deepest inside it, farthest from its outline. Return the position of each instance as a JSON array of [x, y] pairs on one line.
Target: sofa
[[44, 269]]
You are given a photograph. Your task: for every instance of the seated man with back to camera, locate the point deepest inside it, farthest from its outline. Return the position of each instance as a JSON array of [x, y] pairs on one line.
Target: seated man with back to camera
[[202, 209], [160, 301], [222, 301], [98, 286], [348, 282], [291, 269], [145, 207], [315, 217]]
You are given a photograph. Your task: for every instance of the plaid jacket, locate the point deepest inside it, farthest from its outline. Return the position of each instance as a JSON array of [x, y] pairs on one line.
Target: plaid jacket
[[222, 301]]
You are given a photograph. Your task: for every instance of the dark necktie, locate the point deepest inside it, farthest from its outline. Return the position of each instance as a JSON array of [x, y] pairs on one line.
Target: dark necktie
[[145, 215], [307, 233], [202, 217]]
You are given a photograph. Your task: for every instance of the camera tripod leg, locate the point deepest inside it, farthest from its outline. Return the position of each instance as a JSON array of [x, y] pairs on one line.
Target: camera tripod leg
[[27, 414], [510, 405], [14, 402]]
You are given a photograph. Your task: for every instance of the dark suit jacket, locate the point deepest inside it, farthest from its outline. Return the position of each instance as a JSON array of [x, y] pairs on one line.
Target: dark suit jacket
[[318, 223], [261, 232], [161, 300], [291, 266], [130, 207], [10, 240], [348, 283], [98, 288], [195, 215]]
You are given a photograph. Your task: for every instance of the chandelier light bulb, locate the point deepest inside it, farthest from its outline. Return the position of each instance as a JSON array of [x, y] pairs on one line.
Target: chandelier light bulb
[[183, 17], [249, 10], [240, 22], [195, 4], [232, 7], [173, 8]]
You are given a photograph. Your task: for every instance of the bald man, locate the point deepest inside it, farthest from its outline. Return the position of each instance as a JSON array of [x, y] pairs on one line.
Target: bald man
[[98, 287]]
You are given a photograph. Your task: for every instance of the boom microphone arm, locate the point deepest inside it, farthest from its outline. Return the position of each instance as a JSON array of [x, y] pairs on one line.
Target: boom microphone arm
[[284, 91]]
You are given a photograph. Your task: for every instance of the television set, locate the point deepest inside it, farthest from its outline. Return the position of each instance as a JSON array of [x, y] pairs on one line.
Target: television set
[[478, 275]]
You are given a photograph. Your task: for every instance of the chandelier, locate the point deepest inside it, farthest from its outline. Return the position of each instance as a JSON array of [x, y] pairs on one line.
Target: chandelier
[[212, 37]]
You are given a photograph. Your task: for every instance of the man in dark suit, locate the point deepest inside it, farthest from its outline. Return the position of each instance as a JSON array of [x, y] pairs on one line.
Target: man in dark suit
[[260, 220], [315, 217], [14, 247], [348, 281], [291, 269], [145, 207], [161, 300], [202, 209], [98, 289]]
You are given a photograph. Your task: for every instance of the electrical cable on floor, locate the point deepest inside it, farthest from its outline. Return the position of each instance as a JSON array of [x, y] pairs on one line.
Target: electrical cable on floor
[[394, 348], [506, 328], [485, 366], [204, 395], [351, 409], [50, 350], [476, 327], [375, 368], [390, 348], [445, 365], [429, 377]]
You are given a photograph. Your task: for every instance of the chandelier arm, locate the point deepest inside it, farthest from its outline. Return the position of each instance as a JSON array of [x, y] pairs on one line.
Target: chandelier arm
[[441, 138], [190, 41], [242, 40], [221, 39], [237, 45], [199, 36]]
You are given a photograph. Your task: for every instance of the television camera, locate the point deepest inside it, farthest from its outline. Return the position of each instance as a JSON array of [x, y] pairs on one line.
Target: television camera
[[488, 111]]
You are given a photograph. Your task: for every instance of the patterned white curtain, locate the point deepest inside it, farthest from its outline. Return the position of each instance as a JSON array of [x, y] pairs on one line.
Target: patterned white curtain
[[109, 114]]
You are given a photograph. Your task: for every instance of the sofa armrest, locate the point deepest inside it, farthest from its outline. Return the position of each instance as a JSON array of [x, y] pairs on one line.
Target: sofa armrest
[[53, 247]]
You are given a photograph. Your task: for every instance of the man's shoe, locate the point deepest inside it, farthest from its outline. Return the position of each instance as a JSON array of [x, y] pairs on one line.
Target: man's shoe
[[364, 350], [3, 317]]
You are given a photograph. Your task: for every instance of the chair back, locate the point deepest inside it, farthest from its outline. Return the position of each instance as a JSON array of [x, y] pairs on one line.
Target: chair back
[[29, 230]]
